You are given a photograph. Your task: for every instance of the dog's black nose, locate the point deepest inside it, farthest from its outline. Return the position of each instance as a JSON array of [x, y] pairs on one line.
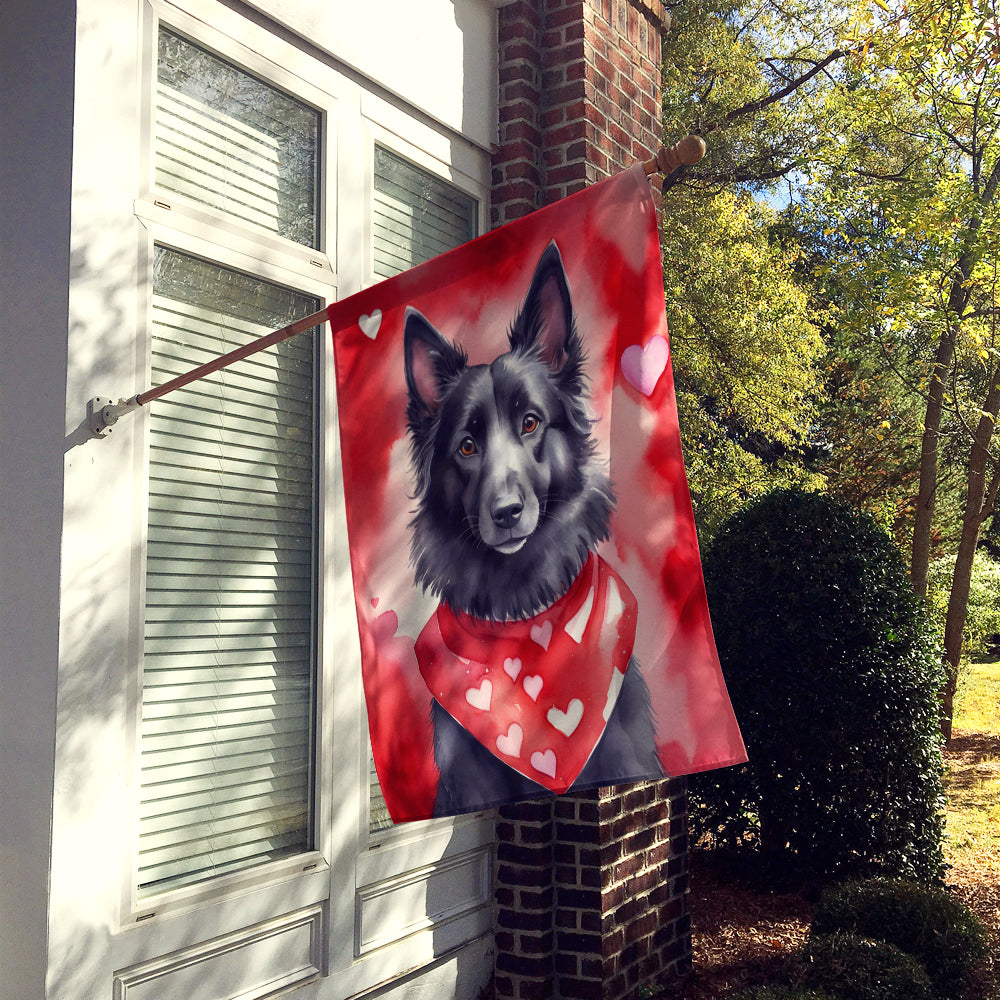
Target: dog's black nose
[[506, 511]]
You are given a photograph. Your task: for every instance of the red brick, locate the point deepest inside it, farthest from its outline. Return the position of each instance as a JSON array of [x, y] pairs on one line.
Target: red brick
[[642, 882], [518, 50], [577, 941], [521, 90], [516, 875], [520, 965], [520, 920], [569, 132], [581, 989], [535, 899], [567, 964], [599, 97], [567, 174], [536, 944], [518, 111]]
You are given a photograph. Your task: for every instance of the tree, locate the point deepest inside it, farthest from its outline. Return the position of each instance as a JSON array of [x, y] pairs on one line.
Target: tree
[[747, 351], [914, 188], [879, 121], [746, 76], [746, 354]]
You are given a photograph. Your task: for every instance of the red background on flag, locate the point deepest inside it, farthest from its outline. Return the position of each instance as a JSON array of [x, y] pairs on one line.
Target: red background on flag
[[607, 237]]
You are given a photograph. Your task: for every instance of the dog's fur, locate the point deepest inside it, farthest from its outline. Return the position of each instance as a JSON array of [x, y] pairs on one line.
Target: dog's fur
[[510, 503]]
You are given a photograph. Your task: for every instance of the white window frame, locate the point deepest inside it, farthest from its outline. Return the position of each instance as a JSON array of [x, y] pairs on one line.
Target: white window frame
[[180, 224], [350, 873]]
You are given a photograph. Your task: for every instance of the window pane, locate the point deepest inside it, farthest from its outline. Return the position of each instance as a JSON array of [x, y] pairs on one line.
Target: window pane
[[228, 140], [416, 217], [228, 658]]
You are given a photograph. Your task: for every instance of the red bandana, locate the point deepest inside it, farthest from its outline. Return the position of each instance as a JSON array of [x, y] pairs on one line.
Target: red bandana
[[536, 693]]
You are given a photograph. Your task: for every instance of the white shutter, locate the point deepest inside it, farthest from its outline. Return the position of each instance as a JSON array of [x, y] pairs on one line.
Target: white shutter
[[416, 216], [228, 660]]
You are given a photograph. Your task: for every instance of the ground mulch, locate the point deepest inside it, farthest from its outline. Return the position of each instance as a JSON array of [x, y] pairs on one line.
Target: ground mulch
[[742, 934]]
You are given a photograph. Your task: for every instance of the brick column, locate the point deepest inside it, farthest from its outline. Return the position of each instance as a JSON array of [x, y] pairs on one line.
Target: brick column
[[579, 96], [591, 890]]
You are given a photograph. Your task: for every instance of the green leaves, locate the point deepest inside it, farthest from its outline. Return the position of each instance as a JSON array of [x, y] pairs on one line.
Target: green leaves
[[746, 350]]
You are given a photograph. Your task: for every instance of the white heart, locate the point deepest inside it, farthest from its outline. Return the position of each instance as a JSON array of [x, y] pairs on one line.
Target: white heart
[[512, 667], [481, 696], [614, 605], [544, 763], [532, 686], [566, 722], [370, 322], [510, 745], [614, 689], [542, 634]]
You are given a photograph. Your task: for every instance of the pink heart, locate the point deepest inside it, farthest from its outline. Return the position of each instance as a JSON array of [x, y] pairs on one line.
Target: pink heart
[[533, 686], [542, 634], [512, 667], [510, 745], [544, 763], [481, 696], [643, 366]]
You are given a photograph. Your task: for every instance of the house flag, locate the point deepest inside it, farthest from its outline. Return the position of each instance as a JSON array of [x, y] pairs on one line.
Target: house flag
[[529, 593]]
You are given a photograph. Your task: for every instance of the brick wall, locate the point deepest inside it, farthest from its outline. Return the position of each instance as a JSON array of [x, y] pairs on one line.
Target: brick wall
[[579, 96], [591, 890]]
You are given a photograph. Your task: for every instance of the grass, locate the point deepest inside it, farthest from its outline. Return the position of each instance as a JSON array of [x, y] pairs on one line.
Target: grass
[[973, 782], [978, 698]]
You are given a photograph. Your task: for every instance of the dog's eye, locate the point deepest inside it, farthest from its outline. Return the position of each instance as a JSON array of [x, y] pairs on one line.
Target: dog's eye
[[467, 447], [529, 424]]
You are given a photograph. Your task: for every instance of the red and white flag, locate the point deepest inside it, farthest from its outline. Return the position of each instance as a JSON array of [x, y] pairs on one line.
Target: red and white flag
[[528, 586]]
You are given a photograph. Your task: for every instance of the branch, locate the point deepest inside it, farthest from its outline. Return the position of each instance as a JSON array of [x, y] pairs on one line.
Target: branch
[[754, 106]]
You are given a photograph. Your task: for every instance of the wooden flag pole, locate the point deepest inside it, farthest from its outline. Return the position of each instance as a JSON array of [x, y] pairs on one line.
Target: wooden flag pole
[[103, 413]]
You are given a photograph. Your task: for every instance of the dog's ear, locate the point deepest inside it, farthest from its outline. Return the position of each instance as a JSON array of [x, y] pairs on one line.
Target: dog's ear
[[432, 363], [546, 319]]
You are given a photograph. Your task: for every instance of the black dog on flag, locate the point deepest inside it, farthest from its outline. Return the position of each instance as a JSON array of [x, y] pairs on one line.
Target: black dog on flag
[[529, 654]]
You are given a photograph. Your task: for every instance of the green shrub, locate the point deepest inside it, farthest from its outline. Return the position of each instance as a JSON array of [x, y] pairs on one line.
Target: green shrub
[[856, 968], [834, 674], [925, 922]]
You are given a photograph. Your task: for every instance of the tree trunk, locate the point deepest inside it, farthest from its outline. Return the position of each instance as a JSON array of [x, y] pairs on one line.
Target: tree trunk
[[958, 299], [980, 499], [920, 553]]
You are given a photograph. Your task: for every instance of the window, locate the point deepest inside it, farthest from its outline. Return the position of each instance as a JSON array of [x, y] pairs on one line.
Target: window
[[227, 140], [229, 647], [273, 184], [416, 216], [228, 684]]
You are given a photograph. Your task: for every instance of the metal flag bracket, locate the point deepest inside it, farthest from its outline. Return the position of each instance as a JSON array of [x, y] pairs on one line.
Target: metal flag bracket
[[103, 413]]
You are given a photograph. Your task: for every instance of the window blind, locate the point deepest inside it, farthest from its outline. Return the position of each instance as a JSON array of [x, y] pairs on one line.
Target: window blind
[[415, 217], [228, 687], [228, 140]]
